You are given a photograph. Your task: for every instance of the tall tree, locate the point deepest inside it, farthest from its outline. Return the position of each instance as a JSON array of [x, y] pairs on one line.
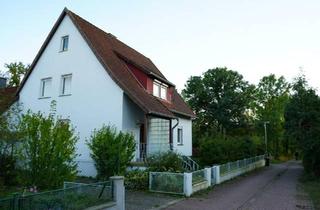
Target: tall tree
[[302, 123], [15, 71], [220, 98], [272, 94]]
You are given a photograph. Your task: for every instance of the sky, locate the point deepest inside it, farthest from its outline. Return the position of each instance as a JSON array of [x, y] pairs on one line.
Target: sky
[[184, 37]]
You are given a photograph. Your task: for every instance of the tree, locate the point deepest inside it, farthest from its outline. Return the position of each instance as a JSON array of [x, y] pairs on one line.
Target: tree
[[48, 150], [16, 71], [302, 124], [220, 98], [272, 94], [112, 151]]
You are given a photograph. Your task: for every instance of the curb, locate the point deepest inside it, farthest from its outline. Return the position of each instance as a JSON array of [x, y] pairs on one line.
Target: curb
[[167, 204]]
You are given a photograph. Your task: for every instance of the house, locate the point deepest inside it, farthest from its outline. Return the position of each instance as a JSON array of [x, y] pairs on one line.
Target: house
[[96, 79]]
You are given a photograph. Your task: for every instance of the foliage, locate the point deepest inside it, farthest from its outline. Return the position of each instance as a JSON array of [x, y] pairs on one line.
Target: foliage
[[166, 161], [16, 71], [49, 152], [8, 145], [217, 150], [137, 180], [220, 98], [272, 95], [111, 151], [311, 185], [302, 124]]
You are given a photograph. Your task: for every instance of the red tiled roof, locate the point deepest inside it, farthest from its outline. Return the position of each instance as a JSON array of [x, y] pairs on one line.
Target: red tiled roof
[[7, 97], [107, 48]]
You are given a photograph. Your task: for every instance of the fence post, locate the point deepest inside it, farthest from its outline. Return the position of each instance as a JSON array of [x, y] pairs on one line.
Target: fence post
[[217, 171], [118, 191], [187, 184], [207, 175]]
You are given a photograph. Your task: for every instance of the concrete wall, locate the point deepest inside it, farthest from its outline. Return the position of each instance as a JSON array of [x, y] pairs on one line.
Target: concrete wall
[[95, 100], [186, 147]]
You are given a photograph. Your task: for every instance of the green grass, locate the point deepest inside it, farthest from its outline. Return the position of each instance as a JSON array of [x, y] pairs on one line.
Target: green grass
[[312, 186]]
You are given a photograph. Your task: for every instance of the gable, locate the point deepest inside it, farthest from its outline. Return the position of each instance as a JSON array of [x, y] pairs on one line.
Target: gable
[[106, 49]]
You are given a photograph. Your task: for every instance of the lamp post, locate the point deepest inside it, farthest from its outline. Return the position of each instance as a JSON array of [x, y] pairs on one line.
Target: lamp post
[[266, 141]]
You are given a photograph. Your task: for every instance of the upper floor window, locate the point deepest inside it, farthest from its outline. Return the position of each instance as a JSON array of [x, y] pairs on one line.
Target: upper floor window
[[45, 87], [65, 87], [160, 90], [180, 136], [64, 43]]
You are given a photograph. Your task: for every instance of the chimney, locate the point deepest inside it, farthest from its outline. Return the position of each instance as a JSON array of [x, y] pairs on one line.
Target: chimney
[[3, 82]]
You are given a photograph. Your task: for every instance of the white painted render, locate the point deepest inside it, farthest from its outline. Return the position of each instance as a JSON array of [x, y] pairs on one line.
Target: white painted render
[[95, 100], [186, 147], [132, 118]]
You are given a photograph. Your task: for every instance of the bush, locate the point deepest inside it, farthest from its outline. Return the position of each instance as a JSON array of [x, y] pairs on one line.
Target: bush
[[48, 150], [218, 150], [111, 151], [166, 161], [137, 180]]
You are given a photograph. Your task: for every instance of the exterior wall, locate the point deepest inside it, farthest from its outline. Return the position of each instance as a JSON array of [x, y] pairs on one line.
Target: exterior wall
[[186, 147], [96, 99], [132, 118]]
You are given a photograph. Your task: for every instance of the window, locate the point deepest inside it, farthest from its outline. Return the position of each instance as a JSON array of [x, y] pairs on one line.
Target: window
[[163, 92], [45, 87], [64, 43], [180, 136], [156, 89], [160, 90], [65, 87]]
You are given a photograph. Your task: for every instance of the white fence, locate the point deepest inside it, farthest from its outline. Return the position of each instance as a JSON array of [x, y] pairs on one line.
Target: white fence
[[189, 183]]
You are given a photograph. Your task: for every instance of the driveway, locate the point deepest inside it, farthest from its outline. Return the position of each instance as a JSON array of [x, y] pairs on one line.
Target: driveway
[[274, 187]]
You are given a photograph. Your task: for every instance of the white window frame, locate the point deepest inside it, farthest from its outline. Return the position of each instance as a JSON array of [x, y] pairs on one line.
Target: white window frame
[[161, 88], [62, 46], [44, 89], [180, 138], [62, 84], [156, 93]]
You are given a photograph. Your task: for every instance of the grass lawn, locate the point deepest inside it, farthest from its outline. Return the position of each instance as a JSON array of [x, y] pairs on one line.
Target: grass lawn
[[312, 187]]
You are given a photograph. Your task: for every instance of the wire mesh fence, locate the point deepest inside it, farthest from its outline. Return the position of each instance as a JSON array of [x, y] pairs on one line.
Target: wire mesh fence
[[76, 197], [198, 176], [166, 182]]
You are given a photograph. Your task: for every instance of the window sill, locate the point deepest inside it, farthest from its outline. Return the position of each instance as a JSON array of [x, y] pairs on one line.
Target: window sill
[[179, 144], [44, 97], [61, 51], [65, 95]]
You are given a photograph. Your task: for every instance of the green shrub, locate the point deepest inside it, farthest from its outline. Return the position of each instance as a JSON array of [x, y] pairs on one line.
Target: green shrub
[[111, 151], [166, 161], [137, 180], [48, 150], [217, 150]]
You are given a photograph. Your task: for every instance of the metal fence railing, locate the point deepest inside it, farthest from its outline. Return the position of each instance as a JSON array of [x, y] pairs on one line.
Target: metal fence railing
[[231, 167], [76, 197], [198, 176], [166, 182]]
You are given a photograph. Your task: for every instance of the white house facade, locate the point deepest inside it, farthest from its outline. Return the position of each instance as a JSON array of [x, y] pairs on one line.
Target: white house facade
[[95, 79]]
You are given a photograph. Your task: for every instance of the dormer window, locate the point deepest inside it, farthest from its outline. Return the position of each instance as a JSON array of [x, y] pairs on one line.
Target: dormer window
[[64, 43], [160, 89]]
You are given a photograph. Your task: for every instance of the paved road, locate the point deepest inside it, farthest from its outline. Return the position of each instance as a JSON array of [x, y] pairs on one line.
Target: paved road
[[275, 187]]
